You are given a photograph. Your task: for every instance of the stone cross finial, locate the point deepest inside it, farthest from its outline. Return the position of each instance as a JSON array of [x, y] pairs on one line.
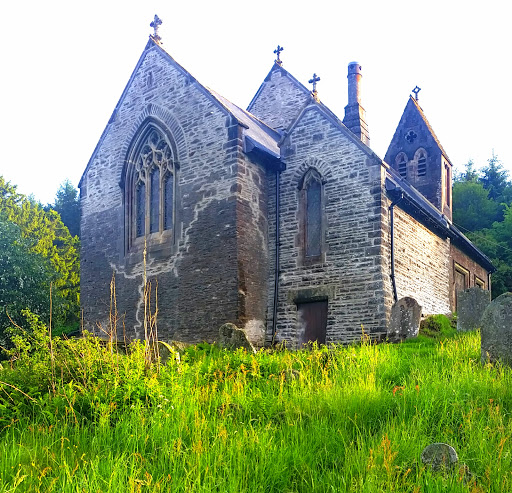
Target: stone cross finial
[[313, 81], [416, 90], [155, 25], [278, 51]]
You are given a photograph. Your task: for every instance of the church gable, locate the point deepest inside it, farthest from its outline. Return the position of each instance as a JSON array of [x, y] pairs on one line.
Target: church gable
[[279, 99], [417, 155]]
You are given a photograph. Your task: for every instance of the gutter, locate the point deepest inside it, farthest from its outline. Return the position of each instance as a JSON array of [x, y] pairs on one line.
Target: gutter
[[392, 234], [276, 264]]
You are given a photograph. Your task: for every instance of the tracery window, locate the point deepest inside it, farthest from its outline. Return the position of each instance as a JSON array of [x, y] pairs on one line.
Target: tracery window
[[150, 185], [312, 221]]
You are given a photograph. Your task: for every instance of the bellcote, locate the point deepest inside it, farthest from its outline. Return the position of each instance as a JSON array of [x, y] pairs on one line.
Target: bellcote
[[416, 154]]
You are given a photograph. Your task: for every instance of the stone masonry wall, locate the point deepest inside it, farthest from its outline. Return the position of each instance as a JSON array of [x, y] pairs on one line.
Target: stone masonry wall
[[473, 268], [350, 275], [252, 241], [279, 100], [422, 261], [198, 281]]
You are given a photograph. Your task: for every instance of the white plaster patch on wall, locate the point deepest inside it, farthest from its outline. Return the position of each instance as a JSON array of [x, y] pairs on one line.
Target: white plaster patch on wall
[[212, 192]]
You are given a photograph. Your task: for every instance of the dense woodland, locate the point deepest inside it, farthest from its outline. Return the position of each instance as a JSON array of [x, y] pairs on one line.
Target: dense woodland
[[482, 209], [39, 244]]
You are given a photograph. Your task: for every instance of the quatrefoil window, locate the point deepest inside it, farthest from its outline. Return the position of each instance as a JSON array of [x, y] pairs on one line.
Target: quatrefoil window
[[410, 136]]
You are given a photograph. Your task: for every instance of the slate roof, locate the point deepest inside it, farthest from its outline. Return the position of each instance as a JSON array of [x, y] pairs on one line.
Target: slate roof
[[258, 133]]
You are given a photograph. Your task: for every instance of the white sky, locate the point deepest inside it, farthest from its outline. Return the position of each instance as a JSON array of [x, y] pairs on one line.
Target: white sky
[[65, 65]]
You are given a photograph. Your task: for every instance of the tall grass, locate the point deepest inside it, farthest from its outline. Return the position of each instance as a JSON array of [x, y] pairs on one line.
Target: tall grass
[[329, 419]]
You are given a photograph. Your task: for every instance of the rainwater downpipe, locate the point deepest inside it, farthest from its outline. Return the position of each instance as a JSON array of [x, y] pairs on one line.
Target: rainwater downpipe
[[276, 266], [392, 233]]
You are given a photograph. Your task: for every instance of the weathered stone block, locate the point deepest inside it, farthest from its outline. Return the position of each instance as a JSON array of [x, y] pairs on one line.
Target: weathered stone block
[[405, 319], [471, 304], [439, 456], [231, 337], [496, 330]]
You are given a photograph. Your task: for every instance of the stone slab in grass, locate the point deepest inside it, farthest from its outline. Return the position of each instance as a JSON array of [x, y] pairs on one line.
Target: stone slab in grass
[[439, 456], [471, 304], [496, 330], [405, 319], [231, 337]]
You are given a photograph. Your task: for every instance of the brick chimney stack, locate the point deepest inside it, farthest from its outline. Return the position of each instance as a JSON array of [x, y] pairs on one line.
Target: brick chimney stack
[[355, 115]]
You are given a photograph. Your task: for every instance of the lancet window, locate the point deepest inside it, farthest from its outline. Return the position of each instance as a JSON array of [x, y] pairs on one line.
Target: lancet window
[[312, 216]]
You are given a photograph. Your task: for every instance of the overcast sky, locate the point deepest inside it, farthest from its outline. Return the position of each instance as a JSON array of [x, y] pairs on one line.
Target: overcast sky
[[65, 65]]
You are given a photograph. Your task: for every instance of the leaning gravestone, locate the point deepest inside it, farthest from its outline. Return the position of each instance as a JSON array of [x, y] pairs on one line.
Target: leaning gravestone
[[471, 304], [405, 319], [439, 456], [231, 337], [496, 330]]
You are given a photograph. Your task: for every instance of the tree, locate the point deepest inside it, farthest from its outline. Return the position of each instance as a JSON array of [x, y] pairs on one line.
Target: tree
[[469, 173], [495, 178], [67, 204], [25, 278], [473, 210], [45, 234]]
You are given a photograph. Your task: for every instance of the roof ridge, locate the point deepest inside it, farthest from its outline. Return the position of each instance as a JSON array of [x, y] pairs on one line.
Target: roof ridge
[[429, 126]]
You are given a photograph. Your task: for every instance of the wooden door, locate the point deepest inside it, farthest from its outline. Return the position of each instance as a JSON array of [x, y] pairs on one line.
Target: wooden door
[[312, 320]]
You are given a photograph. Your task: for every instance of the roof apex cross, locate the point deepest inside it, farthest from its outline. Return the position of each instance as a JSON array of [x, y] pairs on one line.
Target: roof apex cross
[[416, 90], [157, 22], [278, 51], [313, 81]]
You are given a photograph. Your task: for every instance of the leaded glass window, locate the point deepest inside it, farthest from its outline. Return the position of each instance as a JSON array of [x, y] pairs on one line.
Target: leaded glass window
[[154, 202], [140, 209], [312, 214], [168, 200], [313, 218], [151, 185]]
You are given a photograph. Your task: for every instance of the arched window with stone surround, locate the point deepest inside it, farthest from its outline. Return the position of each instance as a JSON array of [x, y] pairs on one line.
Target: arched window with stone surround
[[401, 164], [150, 186], [312, 222], [421, 160]]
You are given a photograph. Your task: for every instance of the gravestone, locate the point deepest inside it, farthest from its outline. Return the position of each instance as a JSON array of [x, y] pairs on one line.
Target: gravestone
[[471, 304], [439, 456], [496, 330], [231, 337], [405, 319]]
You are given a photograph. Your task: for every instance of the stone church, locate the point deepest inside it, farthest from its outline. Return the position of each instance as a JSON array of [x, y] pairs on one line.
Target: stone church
[[279, 218]]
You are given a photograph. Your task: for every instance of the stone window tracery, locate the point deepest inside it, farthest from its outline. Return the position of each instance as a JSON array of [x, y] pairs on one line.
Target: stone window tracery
[[150, 185]]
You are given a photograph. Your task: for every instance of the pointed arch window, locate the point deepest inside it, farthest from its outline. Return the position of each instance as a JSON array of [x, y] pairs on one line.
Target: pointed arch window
[[401, 163], [312, 199], [421, 159], [150, 185]]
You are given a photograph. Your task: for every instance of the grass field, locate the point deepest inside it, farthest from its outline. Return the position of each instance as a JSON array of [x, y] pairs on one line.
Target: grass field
[[78, 417]]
